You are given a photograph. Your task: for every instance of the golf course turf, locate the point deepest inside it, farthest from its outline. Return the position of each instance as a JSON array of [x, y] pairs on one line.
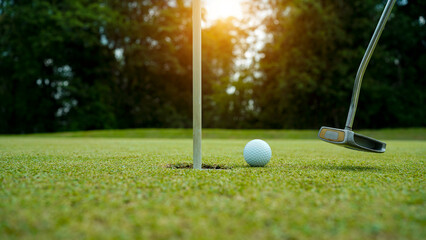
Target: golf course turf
[[115, 185]]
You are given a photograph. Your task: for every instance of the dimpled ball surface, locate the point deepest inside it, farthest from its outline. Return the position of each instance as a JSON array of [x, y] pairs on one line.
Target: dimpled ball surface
[[257, 153]]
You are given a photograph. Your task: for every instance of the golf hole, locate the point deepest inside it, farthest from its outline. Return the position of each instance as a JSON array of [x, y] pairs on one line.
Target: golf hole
[[190, 166]]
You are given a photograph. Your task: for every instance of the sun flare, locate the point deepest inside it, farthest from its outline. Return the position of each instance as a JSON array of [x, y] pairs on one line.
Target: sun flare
[[220, 9]]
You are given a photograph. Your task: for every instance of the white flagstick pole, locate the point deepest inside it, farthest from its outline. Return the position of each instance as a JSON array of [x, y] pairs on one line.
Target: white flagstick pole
[[196, 68]]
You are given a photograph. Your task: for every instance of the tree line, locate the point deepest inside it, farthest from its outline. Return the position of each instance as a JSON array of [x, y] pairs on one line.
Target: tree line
[[80, 65]]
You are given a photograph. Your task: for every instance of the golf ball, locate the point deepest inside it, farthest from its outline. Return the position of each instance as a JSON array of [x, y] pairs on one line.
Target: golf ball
[[257, 153]]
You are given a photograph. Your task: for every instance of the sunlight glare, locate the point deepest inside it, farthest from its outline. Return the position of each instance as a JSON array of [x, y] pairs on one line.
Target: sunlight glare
[[220, 9]]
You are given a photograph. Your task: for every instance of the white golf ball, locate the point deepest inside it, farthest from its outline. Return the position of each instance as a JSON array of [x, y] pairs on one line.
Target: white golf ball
[[257, 153]]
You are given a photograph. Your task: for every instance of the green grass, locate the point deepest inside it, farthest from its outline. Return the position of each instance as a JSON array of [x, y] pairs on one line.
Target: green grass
[[391, 134], [57, 187]]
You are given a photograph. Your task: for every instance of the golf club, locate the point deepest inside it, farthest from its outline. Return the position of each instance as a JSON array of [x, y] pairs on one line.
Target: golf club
[[346, 137]]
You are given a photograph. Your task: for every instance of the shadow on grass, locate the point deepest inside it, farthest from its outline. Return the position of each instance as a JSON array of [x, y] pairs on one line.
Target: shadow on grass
[[190, 166], [347, 168], [252, 167]]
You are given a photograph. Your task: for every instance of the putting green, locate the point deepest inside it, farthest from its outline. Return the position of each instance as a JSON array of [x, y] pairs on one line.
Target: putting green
[[58, 187]]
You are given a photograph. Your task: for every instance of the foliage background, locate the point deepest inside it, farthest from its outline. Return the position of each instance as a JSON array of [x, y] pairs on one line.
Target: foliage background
[[80, 65]]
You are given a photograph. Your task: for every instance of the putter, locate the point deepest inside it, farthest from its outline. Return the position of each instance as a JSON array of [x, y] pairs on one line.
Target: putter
[[346, 137]]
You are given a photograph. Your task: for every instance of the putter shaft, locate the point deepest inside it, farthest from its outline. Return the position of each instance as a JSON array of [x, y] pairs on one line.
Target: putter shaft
[[365, 60]]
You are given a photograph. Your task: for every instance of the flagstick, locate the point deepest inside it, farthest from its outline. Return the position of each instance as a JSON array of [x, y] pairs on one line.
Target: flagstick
[[196, 68]]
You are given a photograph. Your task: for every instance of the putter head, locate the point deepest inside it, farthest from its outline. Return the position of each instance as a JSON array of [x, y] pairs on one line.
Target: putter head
[[349, 139]]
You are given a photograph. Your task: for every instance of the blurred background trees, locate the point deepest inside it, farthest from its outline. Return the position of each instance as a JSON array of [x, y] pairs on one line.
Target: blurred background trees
[[313, 54], [79, 65]]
